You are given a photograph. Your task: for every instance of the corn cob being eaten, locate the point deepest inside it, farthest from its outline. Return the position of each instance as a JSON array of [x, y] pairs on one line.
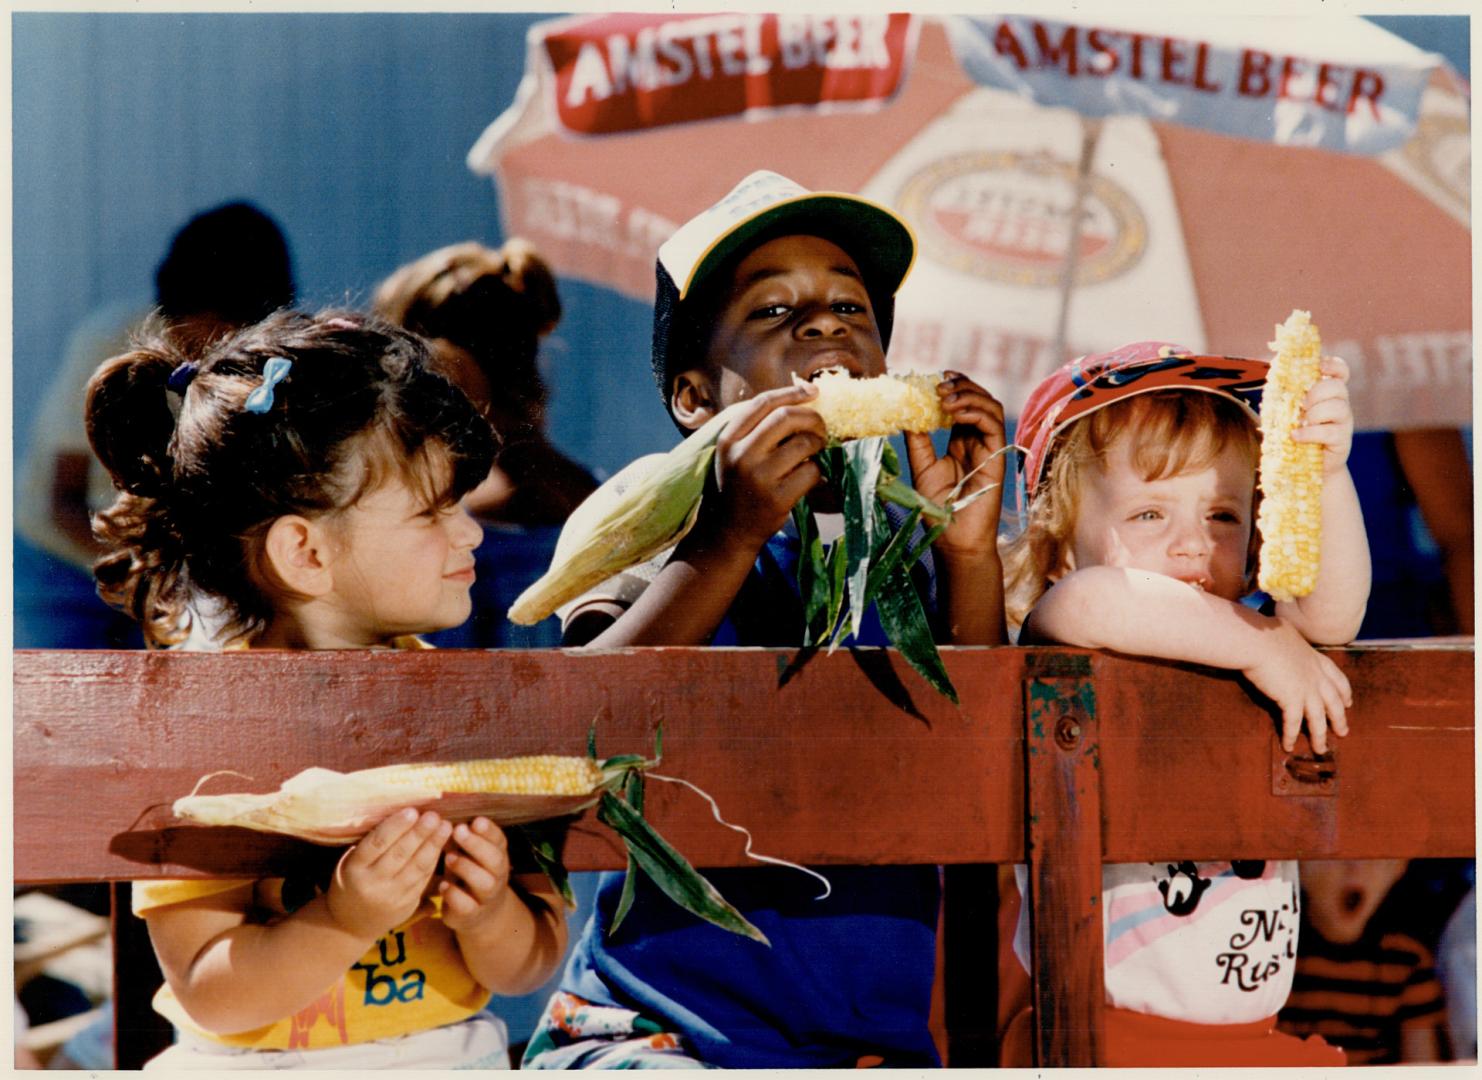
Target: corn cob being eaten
[[860, 408], [606, 535], [329, 807], [1290, 475]]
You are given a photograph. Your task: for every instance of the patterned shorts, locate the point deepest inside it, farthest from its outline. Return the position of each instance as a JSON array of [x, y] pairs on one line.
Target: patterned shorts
[[575, 1034]]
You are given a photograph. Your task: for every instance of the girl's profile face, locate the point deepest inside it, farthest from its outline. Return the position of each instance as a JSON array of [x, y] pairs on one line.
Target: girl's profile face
[[1194, 525], [401, 566]]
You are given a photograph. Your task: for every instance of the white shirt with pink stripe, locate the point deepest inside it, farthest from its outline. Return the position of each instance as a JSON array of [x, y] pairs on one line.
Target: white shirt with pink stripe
[[1208, 942]]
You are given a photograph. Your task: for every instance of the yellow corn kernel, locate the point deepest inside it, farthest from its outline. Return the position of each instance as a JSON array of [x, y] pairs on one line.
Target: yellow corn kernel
[[1290, 476], [540, 774], [860, 408]]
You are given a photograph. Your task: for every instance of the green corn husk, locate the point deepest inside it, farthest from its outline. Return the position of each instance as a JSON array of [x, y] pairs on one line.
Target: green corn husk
[[670, 871], [655, 856], [869, 564], [543, 841], [633, 794], [655, 515], [605, 536], [875, 560]]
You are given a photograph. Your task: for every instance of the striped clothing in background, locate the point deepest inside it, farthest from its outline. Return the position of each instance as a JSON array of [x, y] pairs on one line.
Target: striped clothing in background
[[1364, 996]]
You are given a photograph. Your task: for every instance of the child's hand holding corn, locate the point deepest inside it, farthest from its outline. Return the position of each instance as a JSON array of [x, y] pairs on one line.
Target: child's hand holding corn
[[494, 922], [475, 886], [380, 881], [763, 465], [1327, 415], [974, 448], [971, 585], [1329, 614]]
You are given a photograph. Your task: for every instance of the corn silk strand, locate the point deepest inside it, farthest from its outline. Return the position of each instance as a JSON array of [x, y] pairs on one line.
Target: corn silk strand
[[750, 854]]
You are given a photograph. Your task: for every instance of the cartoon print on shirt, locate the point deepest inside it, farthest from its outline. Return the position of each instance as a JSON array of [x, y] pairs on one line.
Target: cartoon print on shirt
[[1248, 869], [1182, 888]]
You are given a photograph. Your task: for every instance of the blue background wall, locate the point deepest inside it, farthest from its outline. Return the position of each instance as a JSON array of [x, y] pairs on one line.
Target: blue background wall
[[350, 129]]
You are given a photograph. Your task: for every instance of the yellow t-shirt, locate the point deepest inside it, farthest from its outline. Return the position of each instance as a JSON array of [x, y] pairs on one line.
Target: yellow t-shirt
[[412, 979]]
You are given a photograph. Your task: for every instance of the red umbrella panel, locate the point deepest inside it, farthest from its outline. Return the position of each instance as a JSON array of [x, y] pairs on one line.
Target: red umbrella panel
[[628, 125]]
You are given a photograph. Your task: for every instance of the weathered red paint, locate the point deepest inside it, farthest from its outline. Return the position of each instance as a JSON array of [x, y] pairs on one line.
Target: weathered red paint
[[1187, 763], [818, 763], [849, 758], [1063, 785], [843, 759]]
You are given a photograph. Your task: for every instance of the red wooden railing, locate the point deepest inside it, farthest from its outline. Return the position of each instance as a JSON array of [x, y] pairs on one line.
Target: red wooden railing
[[1066, 758]]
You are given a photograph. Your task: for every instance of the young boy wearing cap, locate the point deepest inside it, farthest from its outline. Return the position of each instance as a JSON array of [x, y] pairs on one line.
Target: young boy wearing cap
[[1139, 466], [771, 282]]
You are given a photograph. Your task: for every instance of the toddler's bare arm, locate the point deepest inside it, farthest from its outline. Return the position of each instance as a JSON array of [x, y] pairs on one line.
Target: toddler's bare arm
[[1147, 614], [233, 975]]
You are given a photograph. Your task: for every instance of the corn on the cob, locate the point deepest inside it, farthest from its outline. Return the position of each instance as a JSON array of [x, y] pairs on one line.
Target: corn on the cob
[[606, 534], [336, 808], [860, 408], [1290, 517]]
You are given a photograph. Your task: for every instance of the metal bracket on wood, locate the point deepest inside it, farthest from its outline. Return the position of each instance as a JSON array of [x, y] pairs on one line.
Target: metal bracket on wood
[[1063, 821], [1302, 772]]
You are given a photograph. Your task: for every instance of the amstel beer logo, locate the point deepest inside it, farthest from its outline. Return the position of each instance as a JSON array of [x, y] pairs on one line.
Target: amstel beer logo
[[1005, 216]]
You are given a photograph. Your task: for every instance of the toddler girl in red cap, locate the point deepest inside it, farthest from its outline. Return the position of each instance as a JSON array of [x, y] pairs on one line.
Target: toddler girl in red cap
[[1139, 475]]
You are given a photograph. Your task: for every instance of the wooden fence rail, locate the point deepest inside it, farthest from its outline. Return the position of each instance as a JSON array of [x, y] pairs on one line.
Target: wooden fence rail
[[1062, 758]]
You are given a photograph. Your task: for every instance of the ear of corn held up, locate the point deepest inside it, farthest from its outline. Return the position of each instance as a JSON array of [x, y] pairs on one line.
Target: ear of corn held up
[[333, 808], [860, 408], [1290, 473], [869, 563]]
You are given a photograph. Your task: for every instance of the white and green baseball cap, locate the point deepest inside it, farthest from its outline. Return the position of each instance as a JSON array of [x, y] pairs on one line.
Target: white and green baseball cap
[[762, 206]]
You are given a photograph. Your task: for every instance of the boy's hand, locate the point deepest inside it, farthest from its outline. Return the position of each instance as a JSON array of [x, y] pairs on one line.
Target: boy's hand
[[764, 465], [1327, 415], [476, 885], [976, 443], [380, 881], [1303, 683]]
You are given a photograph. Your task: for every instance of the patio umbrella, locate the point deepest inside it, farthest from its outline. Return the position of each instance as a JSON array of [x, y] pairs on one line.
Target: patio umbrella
[[1073, 186]]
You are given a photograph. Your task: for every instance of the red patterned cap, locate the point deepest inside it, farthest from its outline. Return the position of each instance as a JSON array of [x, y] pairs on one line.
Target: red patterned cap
[[1091, 382]]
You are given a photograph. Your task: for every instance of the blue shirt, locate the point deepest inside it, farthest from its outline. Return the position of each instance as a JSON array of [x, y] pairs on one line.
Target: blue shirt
[[845, 976], [508, 560]]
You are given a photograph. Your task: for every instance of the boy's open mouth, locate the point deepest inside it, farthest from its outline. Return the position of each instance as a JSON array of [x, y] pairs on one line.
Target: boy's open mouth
[[831, 365]]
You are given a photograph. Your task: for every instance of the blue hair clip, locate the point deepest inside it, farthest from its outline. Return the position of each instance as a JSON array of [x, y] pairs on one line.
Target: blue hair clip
[[181, 377], [273, 372]]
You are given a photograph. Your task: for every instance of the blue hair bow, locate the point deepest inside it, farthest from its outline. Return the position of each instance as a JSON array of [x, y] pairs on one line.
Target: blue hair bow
[[273, 372], [181, 377]]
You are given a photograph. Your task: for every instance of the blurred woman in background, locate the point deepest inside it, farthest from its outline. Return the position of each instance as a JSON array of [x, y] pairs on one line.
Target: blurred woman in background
[[484, 310]]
